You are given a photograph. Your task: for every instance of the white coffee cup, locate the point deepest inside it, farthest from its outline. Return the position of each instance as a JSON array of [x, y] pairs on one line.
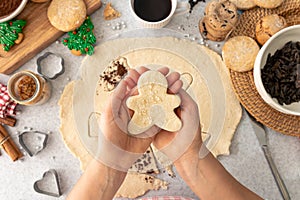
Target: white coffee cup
[[177, 8]]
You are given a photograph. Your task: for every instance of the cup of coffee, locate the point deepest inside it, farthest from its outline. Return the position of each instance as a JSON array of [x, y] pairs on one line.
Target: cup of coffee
[[157, 13]]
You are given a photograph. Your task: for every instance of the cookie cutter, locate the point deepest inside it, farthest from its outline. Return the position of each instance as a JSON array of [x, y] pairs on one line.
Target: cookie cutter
[[93, 116], [40, 66], [25, 146], [58, 192], [188, 80]]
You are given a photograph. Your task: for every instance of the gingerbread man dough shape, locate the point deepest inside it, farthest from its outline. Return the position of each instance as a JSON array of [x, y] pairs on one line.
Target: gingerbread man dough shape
[[153, 106]]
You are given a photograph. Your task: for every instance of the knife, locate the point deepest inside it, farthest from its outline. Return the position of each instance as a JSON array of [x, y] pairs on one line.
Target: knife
[[260, 132]]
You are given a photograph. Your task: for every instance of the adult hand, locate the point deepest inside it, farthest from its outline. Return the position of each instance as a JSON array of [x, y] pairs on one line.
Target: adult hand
[[187, 141], [116, 147]]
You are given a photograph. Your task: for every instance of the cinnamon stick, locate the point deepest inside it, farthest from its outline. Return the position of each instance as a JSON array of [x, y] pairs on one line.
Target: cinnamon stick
[[8, 121], [8, 145]]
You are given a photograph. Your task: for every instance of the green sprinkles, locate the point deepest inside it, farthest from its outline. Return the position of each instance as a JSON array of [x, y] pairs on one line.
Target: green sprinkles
[[9, 33], [82, 39]]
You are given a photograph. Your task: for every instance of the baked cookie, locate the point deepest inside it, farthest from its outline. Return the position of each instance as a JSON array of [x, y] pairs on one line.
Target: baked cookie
[[211, 7], [207, 35], [268, 3], [239, 53], [153, 105], [220, 18], [39, 1], [222, 15], [218, 33], [268, 26], [110, 13], [243, 4], [67, 15]]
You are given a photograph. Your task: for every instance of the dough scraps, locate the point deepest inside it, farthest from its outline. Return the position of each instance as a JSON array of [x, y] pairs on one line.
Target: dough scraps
[[141, 184]]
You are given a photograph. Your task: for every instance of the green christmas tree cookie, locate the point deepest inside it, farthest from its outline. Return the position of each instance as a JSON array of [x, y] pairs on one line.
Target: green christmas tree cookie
[[81, 40], [11, 33]]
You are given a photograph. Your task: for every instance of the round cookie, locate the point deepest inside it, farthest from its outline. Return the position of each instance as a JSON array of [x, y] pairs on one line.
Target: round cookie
[[268, 3], [222, 15], [243, 4], [211, 7], [239, 53], [214, 31], [67, 15], [39, 1], [205, 34], [268, 26]]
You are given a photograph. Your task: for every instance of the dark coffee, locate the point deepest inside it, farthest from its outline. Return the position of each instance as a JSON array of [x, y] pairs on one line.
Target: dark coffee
[[152, 10]]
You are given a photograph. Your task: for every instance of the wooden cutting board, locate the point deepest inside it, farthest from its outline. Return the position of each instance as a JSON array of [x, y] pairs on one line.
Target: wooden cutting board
[[39, 34]]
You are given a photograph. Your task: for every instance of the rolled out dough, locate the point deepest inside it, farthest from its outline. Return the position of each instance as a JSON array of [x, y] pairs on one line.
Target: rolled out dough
[[179, 55]]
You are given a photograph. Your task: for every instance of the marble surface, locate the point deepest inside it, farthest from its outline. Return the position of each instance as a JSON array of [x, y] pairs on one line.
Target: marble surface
[[246, 161]]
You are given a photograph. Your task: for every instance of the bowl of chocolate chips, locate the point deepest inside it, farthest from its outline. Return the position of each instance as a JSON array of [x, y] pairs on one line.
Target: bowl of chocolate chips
[[10, 9], [277, 71]]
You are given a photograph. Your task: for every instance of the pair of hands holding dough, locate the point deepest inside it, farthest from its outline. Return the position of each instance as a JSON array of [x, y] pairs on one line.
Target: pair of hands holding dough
[[119, 150]]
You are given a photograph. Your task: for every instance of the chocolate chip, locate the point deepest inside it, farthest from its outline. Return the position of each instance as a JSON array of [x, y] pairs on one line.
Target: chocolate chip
[[193, 3], [230, 11]]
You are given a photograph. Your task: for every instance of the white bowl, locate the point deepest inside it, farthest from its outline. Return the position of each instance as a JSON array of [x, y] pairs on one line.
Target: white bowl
[[277, 41], [15, 12]]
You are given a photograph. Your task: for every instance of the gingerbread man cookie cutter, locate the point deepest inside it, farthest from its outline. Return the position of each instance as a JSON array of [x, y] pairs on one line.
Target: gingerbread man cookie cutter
[[153, 105]]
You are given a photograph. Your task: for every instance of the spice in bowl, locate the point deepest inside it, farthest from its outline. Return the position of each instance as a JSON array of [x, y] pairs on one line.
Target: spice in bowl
[[8, 6], [28, 88], [9, 9], [281, 74]]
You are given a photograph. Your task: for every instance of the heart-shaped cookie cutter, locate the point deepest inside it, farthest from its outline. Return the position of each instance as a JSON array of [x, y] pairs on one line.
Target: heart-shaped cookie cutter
[[57, 184], [25, 147], [39, 65]]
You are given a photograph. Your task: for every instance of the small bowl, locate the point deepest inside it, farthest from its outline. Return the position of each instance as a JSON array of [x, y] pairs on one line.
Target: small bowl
[[15, 12], [277, 41]]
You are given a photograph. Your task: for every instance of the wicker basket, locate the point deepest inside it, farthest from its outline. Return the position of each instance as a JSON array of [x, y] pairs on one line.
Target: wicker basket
[[243, 83]]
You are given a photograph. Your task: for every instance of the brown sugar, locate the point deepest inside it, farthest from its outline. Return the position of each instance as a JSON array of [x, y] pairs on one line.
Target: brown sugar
[[8, 6], [26, 87]]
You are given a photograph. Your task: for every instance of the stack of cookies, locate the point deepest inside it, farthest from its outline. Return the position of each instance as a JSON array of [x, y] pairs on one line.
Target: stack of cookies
[[220, 18]]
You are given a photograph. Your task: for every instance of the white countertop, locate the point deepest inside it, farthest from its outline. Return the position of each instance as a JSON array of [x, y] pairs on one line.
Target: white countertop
[[246, 161]]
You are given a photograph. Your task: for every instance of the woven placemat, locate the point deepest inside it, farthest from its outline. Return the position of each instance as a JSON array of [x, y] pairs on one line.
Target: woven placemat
[[243, 83]]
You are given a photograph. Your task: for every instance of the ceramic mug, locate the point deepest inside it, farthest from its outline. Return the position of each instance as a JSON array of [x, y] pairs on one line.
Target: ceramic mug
[[177, 8]]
